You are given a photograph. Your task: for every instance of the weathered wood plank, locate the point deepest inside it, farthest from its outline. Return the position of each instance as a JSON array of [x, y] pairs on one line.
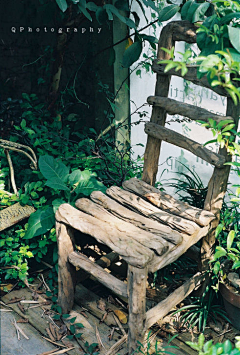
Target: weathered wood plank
[[217, 187], [152, 151], [138, 220], [156, 243], [14, 214], [136, 203], [191, 75], [137, 282], [168, 203], [122, 243], [161, 261], [163, 308], [174, 107], [66, 272], [95, 270], [181, 141]]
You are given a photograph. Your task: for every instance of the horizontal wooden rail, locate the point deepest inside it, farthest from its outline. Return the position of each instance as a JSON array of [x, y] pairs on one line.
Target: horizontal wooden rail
[[163, 308], [191, 75], [108, 280], [174, 107], [167, 135]]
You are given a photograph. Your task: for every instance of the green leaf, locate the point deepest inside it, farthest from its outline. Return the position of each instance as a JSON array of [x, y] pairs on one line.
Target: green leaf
[[218, 230], [227, 346], [40, 222], [78, 335], [236, 265], [208, 63], [101, 15], [216, 267], [185, 9], [200, 12], [229, 17], [72, 320], [113, 10], [230, 239], [150, 3], [51, 168], [57, 184], [201, 341], [83, 9], [220, 251], [132, 54], [228, 127], [86, 187], [62, 5], [168, 12], [91, 6], [234, 36], [72, 329], [57, 203], [75, 177]]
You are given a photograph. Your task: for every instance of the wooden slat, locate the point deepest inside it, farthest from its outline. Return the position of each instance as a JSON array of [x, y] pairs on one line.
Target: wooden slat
[[163, 308], [191, 75], [130, 250], [168, 203], [14, 214], [181, 141], [174, 107], [136, 219], [136, 203], [108, 280], [160, 262], [149, 240]]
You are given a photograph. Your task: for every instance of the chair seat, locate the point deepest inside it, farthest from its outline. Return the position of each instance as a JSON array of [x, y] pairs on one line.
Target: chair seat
[[130, 223]]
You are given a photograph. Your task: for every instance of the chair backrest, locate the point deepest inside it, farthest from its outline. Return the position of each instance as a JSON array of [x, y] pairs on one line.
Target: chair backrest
[[172, 32]]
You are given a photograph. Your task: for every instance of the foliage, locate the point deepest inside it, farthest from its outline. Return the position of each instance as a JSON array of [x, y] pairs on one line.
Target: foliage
[[71, 165], [208, 348], [189, 187], [200, 310]]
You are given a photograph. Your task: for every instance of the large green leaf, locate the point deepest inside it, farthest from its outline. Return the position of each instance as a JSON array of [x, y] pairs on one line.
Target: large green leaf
[[113, 10], [150, 3], [40, 222], [230, 239], [229, 17], [168, 12], [51, 168], [88, 185], [62, 5], [132, 54], [185, 9], [234, 36], [208, 63], [75, 177], [57, 184], [192, 9], [200, 12]]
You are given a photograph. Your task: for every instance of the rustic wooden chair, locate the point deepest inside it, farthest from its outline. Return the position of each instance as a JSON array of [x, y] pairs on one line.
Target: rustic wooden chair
[[148, 228]]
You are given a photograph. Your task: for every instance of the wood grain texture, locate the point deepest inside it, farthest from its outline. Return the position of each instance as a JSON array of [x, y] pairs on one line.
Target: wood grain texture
[[181, 141], [108, 280], [149, 240], [122, 243], [160, 262], [174, 107], [163, 308], [14, 214], [146, 224], [66, 271], [191, 75], [217, 187], [137, 282], [168, 203], [136, 203]]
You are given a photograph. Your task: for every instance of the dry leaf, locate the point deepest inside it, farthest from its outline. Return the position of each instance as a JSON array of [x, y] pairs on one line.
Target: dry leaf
[[121, 316], [22, 320], [129, 43], [101, 304], [20, 306]]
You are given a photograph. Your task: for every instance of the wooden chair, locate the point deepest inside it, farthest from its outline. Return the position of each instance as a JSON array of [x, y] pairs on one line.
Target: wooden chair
[[148, 228]]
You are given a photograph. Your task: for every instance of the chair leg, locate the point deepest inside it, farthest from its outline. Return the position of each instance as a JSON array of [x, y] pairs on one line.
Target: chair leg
[[137, 281], [66, 271]]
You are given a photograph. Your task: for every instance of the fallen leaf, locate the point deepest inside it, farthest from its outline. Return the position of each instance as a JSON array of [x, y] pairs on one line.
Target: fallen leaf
[[121, 316]]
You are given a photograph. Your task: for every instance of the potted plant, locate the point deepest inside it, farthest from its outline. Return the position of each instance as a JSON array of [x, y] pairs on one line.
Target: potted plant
[[227, 269]]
